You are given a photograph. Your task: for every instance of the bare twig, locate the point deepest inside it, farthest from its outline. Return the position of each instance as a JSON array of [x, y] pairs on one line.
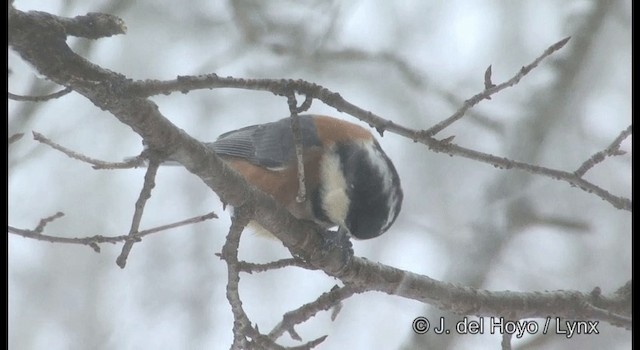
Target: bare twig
[[244, 334], [306, 104], [97, 164], [242, 328], [473, 115], [310, 344], [324, 302], [40, 98], [491, 89], [252, 267], [230, 255], [612, 150], [93, 241], [145, 194], [44, 222], [297, 142]]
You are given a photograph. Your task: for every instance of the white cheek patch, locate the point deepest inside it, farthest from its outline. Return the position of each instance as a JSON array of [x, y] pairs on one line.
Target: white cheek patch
[[334, 191]]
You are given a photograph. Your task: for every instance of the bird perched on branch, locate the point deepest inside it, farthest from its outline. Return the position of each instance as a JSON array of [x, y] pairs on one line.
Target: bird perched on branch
[[350, 182]]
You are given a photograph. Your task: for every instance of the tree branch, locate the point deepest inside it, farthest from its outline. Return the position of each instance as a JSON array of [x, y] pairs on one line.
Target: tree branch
[[283, 87], [244, 334], [274, 265], [241, 324], [297, 142], [93, 241], [326, 301], [491, 89], [145, 194], [40, 98], [97, 164], [612, 150]]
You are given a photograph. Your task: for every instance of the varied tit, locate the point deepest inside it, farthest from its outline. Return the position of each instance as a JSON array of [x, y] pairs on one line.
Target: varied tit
[[350, 182]]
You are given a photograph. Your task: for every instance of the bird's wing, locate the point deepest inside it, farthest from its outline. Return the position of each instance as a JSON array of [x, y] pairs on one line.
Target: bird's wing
[[268, 145]]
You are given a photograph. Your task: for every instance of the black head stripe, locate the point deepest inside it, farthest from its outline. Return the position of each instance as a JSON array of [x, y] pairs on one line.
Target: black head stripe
[[374, 203]]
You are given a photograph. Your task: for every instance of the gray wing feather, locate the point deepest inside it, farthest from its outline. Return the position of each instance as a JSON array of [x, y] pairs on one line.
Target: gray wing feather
[[268, 145]]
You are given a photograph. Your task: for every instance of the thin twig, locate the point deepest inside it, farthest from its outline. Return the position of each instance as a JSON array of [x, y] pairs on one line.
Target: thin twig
[[474, 116], [612, 150], [40, 98], [325, 301], [93, 241], [230, 254], [44, 222], [297, 142], [618, 202], [243, 331], [97, 164], [248, 267], [242, 328], [491, 89], [306, 104], [145, 194]]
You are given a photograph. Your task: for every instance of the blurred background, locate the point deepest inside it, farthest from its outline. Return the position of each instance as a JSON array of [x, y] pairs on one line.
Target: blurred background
[[413, 62]]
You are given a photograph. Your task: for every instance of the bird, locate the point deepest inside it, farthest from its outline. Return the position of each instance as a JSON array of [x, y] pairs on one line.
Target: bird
[[350, 181]]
